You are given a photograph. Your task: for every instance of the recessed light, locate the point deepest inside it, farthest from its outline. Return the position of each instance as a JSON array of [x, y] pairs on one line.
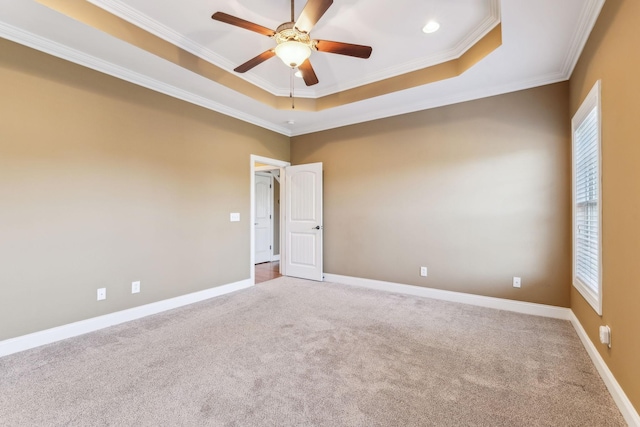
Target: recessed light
[[291, 122], [298, 74], [431, 27]]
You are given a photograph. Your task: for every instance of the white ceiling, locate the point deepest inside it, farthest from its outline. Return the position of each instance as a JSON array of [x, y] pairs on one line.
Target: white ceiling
[[542, 40], [400, 45]]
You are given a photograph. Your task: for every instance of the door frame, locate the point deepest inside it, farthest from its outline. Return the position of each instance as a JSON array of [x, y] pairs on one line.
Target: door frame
[[281, 164]]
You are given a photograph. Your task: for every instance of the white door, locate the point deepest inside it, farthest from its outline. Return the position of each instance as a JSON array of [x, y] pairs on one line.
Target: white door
[[303, 221], [263, 220]]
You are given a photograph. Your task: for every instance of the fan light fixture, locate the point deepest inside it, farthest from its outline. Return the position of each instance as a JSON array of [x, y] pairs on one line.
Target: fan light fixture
[[293, 53], [293, 42]]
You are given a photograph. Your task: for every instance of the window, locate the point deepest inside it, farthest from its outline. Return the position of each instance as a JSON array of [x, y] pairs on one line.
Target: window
[[587, 196]]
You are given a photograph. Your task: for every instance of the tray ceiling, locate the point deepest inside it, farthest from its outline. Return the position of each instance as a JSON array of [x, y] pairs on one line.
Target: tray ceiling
[[541, 41]]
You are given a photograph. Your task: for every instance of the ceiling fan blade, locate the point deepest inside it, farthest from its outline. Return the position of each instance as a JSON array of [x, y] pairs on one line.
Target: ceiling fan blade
[[308, 75], [228, 19], [311, 14], [255, 61], [340, 48]]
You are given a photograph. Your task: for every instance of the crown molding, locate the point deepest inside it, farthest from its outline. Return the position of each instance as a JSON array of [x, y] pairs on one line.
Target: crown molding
[[488, 24], [81, 58], [587, 19], [120, 9], [430, 103], [135, 17], [586, 22], [456, 52]]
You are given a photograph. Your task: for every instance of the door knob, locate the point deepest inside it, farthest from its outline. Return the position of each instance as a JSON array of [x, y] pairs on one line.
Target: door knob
[[317, 227]]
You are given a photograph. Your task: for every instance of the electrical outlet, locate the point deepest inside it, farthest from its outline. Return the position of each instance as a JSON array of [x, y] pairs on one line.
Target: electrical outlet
[[517, 282], [423, 271], [605, 335], [102, 294], [234, 216], [135, 287]]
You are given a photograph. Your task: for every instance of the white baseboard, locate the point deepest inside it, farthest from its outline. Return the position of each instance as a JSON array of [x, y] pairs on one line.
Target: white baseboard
[[275, 258], [36, 339], [479, 300], [624, 404], [622, 401]]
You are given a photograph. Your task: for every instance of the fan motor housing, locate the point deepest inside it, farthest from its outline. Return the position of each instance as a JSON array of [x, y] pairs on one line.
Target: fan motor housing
[[288, 32]]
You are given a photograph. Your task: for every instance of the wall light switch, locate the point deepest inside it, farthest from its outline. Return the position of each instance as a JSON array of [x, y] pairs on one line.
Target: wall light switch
[[135, 287], [102, 294], [234, 217]]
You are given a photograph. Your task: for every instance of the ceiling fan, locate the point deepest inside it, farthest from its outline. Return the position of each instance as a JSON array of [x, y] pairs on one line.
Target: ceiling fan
[[294, 43]]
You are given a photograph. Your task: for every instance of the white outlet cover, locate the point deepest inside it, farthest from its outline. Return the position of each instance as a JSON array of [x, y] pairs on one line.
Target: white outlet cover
[[234, 216], [102, 294], [135, 287], [517, 282], [423, 271], [605, 335]]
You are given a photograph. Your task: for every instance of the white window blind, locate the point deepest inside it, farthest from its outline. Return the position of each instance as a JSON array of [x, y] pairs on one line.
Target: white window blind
[[586, 183], [587, 224]]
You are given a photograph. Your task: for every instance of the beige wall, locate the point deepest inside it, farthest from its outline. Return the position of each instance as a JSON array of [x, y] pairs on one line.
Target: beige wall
[[612, 56], [103, 182], [478, 192]]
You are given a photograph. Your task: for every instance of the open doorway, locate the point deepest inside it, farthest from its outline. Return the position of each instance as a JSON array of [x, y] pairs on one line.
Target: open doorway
[[267, 243], [267, 223], [301, 231], [267, 220]]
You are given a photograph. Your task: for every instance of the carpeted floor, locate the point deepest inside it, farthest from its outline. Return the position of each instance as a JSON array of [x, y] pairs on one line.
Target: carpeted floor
[[289, 352]]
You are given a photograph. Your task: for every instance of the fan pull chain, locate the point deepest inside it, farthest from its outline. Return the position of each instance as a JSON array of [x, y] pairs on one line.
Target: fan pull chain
[[293, 105], [291, 78]]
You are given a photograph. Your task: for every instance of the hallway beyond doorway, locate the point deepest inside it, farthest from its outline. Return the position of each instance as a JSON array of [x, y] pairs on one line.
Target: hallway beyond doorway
[[267, 270]]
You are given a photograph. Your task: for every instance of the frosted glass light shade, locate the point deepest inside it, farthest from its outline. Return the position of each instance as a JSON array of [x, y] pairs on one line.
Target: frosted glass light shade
[[293, 53]]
